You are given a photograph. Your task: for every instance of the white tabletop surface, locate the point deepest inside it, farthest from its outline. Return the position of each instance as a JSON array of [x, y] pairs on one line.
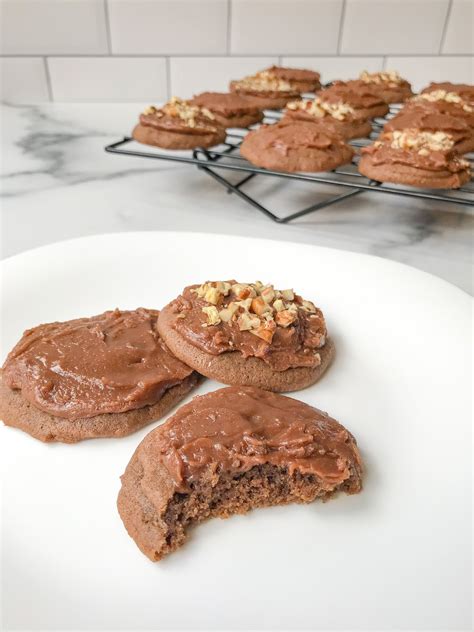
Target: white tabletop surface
[[58, 183]]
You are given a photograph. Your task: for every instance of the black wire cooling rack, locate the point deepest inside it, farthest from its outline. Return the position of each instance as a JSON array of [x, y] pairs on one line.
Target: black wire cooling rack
[[226, 157]]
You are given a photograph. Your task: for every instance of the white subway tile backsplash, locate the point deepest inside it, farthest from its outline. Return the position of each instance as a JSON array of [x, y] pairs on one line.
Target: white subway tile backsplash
[[108, 78], [23, 80], [53, 27], [332, 68], [459, 36], [422, 70], [191, 75], [378, 27], [168, 26], [304, 27]]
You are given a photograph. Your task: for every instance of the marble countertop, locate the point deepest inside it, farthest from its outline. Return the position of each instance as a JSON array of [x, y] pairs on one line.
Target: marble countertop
[[59, 183]]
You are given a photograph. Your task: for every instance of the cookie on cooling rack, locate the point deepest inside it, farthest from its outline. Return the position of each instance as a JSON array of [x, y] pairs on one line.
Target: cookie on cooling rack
[[420, 159], [295, 146], [179, 125], [248, 334], [299, 79], [431, 121], [464, 90], [229, 109], [337, 118], [388, 85], [444, 102], [265, 90], [365, 103], [104, 376], [271, 450]]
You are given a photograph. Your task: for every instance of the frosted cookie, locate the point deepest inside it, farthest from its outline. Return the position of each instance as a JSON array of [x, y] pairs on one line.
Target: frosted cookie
[[229, 109], [420, 159], [228, 452], [444, 102], [295, 146], [104, 376], [359, 95], [464, 90], [179, 125], [300, 79], [427, 120], [248, 333], [265, 90], [388, 85], [337, 118]]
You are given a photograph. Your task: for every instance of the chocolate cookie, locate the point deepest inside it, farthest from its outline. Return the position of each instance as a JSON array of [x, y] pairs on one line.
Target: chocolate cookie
[[431, 121], [299, 79], [465, 90], [226, 453], [336, 118], [229, 109], [420, 159], [178, 125], [445, 103], [359, 95], [248, 334], [295, 146], [388, 85], [265, 90], [104, 376]]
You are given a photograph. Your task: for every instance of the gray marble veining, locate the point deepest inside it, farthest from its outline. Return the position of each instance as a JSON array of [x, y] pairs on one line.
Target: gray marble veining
[[58, 183]]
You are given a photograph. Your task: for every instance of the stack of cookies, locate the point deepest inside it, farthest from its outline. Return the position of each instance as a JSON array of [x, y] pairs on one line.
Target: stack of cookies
[[226, 452], [312, 135]]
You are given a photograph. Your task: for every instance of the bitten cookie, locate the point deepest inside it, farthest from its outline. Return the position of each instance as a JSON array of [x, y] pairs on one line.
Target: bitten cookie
[[226, 453], [337, 118], [359, 95], [465, 90], [178, 125], [292, 145], [104, 376], [388, 85], [300, 79], [250, 334], [265, 90], [420, 159], [229, 109], [431, 121]]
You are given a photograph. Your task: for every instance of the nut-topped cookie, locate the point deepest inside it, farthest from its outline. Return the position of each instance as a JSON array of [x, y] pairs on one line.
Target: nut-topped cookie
[[464, 90], [444, 102], [426, 120], [227, 452], [300, 79], [248, 333], [421, 159], [387, 84], [265, 90], [293, 145], [359, 95], [337, 118], [103, 376], [229, 109], [179, 125]]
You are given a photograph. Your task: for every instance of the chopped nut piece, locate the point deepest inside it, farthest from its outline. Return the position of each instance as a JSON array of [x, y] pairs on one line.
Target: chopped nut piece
[[259, 306], [223, 287], [288, 295], [285, 318], [212, 315], [212, 295], [181, 315], [279, 305], [308, 306], [268, 294], [245, 304], [265, 331], [228, 312], [246, 322], [243, 291]]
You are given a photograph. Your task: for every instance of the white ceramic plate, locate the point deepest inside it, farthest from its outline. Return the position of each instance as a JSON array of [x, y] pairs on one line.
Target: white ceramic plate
[[396, 556]]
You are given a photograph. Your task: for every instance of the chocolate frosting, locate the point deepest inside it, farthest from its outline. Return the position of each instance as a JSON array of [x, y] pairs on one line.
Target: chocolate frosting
[[293, 345], [109, 363], [294, 74], [465, 90], [225, 103], [357, 93], [456, 110], [293, 134], [236, 428], [193, 120], [430, 120]]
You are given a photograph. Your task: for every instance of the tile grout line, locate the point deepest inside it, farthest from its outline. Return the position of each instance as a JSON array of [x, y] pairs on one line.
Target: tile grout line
[[341, 27], [48, 79], [235, 56], [108, 33], [229, 27], [445, 28], [168, 77]]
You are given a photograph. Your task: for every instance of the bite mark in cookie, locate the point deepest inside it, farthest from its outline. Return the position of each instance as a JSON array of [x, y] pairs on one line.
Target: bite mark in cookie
[[226, 453], [252, 334]]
